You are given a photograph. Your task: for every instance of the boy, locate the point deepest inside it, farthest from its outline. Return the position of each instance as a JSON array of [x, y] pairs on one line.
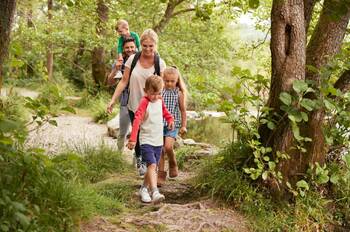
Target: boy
[[149, 118]]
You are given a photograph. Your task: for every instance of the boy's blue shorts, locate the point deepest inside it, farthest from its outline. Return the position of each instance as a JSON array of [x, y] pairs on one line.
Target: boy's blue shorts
[[150, 154], [170, 133]]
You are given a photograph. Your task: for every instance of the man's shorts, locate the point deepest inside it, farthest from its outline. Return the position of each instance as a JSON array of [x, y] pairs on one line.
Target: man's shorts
[[170, 133], [150, 154]]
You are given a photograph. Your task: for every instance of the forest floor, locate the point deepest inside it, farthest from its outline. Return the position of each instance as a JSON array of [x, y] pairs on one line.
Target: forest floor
[[183, 210]]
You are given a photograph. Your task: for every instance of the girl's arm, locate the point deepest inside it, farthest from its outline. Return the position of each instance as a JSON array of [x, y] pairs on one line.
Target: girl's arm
[[182, 107], [120, 87]]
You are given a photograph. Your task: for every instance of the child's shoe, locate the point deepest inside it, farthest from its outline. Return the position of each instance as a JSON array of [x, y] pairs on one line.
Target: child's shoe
[[145, 197], [161, 178], [157, 197]]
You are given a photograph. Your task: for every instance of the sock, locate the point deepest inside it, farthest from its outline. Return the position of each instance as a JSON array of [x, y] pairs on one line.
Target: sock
[[155, 189]]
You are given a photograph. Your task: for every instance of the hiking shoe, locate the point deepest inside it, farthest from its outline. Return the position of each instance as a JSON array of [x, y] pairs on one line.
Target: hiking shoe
[[161, 177], [145, 197], [157, 197], [173, 171], [142, 169]]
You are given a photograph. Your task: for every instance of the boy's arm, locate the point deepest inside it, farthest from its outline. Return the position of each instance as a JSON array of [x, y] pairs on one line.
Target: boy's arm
[[137, 40], [120, 46], [140, 113]]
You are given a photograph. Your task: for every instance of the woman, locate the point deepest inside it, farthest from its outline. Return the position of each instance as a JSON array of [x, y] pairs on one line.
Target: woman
[[144, 68]]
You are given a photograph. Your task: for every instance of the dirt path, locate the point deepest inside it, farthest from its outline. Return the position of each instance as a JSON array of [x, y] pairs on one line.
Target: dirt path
[[183, 209]]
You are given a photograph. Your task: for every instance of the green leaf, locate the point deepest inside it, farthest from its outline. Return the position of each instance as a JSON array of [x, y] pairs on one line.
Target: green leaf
[[286, 98], [312, 68], [329, 105], [300, 86], [304, 116], [296, 132], [272, 165], [265, 175], [308, 104], [271, 125], [334, 178], [302, 184]]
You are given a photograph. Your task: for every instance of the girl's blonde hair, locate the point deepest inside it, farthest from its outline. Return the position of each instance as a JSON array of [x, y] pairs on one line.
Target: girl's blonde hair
[[149, 34], [154, 83], [122, 23], [180, 82]]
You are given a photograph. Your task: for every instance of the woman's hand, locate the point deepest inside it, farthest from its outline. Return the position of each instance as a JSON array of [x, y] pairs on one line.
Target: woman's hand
[[183, 130], [131, 145], [110, 107]]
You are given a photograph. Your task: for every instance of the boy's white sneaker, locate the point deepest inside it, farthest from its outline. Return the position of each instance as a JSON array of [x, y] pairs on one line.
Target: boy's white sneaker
[[145, 197], [157, 197]]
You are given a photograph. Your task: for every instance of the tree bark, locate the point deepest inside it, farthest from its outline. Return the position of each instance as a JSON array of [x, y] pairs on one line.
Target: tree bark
[[288, 64], [49, 52], [324, 44], [7, 12], [99, 70]]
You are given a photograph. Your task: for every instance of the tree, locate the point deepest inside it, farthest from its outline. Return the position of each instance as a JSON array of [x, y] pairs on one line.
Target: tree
[[98, 54], [292, 61], [49, 52], [7, 11], [169, 13]]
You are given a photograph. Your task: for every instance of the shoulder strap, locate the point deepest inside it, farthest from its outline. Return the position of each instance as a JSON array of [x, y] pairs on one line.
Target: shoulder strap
[[156, 64], [134, 61]]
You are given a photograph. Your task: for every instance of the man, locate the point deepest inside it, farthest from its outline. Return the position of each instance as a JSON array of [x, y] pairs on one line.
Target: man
[[129, 48]]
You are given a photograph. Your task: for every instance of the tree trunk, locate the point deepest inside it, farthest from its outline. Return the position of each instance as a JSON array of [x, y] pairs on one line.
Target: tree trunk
[[7, 11], [169, 13], [288, 64], [49, 52], [30, 24], [289, 21], [99, 70], [324, 44]]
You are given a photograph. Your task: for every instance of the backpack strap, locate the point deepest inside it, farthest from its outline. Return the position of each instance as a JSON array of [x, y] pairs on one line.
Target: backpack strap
[[134, 61], [156, 64]]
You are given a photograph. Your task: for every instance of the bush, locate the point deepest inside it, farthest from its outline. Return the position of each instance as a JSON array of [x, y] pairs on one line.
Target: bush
[[222, 177]]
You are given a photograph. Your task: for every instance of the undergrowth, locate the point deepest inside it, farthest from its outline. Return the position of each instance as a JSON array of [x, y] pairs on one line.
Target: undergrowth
[[222, 177]]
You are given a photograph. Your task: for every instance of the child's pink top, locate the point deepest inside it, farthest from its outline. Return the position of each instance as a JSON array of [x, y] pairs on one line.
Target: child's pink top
[[151, 127]]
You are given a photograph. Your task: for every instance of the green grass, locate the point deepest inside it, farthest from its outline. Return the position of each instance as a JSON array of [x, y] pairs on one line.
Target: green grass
[[90, 163], [96, 105], [182, 154]]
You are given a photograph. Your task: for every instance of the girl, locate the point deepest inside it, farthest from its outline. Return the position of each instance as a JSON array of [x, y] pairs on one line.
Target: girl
[[174, 96], [149, 119]]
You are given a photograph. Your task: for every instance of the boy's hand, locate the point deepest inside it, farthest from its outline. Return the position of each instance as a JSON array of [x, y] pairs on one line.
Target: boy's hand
[[110, 107], [131, 145], [171, 126], [183, 130]]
